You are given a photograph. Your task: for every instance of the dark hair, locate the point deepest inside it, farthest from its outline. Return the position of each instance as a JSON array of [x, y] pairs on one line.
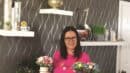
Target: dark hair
[[63, 51]]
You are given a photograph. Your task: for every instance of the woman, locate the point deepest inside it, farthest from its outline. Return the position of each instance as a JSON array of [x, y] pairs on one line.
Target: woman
[[70, 52]]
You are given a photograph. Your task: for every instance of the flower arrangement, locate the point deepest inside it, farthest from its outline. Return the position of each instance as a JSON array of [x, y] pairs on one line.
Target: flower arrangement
[[86, 67], [44, 61]]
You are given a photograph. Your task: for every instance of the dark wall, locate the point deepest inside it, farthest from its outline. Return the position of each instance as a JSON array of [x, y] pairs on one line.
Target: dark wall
[[18, 52], [1, 13]]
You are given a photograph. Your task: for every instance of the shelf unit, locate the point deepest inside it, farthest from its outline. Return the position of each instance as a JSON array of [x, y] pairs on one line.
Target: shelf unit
[[56, 11], [16, 33], [101, 43]]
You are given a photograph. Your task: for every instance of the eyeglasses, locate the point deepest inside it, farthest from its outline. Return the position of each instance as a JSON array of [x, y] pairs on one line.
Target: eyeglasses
[[70, 38]]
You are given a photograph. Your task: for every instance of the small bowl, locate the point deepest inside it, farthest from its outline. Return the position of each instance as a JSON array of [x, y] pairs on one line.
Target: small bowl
[[83, 34]]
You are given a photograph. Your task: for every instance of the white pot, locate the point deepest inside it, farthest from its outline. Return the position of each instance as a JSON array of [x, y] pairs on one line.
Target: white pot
[[43, 70]]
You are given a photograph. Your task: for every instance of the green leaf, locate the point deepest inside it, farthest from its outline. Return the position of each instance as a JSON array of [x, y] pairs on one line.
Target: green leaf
[[98, 29]]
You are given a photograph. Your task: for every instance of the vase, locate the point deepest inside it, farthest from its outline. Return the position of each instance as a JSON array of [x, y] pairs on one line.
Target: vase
[[17, 11], [43, 70], [7, 14]]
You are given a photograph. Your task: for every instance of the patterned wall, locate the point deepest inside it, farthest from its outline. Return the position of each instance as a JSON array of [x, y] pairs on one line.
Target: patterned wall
[[18, 52], [1, 13]]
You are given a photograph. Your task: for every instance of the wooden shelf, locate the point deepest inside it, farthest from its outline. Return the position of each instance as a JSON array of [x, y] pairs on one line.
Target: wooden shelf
[[56, 11], [16, 33], [101, 43]]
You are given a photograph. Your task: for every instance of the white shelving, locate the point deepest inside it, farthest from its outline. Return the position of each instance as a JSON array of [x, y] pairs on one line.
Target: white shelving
[[16, 33], [56, 11], [101, 43]]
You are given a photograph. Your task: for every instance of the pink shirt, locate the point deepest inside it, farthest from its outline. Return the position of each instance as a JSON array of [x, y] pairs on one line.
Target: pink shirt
[[65, 65]]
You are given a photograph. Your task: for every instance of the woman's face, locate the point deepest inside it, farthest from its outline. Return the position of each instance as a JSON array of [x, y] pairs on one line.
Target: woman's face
[[70, 40]]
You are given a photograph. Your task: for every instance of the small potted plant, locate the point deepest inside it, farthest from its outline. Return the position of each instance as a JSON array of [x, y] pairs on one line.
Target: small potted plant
[[44, 62], [98, 31]]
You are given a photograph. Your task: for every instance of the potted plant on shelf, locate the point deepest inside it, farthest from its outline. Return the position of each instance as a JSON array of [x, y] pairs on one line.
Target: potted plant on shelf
[[44, 62], [98, 31]]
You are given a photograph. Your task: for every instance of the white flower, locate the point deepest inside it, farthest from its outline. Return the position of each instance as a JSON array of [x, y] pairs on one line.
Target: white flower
[[40, 59]]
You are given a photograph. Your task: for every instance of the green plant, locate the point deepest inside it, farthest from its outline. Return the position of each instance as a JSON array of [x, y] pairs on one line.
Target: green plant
[[27, 66], [98, 29]]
